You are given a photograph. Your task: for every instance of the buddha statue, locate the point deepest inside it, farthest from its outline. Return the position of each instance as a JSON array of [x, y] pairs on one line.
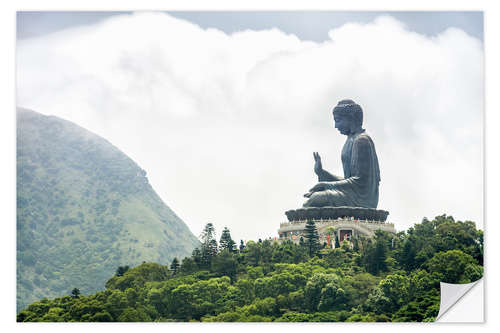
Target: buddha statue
[[359, 185]]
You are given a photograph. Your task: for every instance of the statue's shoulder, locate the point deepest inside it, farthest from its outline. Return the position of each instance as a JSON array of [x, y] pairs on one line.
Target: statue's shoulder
[[363, 139], [363, 136]]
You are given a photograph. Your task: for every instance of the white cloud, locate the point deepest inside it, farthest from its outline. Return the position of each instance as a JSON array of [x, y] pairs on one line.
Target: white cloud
[[225, 125]]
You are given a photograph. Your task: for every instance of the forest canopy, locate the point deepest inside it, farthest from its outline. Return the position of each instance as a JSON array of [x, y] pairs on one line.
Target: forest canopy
[[385, 278]]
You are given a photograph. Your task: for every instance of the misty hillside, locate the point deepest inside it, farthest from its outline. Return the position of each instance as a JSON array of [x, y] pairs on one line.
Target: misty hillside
[[83, 209]]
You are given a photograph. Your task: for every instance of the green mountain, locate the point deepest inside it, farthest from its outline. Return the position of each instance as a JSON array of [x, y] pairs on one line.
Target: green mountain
[[83, 209]]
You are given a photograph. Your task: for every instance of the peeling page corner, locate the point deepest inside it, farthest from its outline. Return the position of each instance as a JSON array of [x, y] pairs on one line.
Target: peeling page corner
[[461, 302]]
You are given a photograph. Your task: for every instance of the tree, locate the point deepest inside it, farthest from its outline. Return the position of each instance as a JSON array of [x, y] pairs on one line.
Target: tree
[[253, 253], [196, 255], [407, 257], [208, 245], [188, 266], [266, 251], [121, 270], [355, 244], [294, 317], [380, 256], [75, 292], [375, 254], [226, 242], [225, 264], [450, 265], [316, 288], [391, 293], [337, 243], [473, 272], [311, 238], [174, 266], [134, 315], [288, 252], [333, 297], [103, 316], [138, 276], [208, 233], [242, 245]]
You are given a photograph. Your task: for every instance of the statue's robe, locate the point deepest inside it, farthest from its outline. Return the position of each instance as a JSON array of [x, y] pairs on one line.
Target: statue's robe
[[359, 187]]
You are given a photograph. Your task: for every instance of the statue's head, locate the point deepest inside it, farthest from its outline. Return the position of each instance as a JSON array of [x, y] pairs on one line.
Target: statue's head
[[348, 116]]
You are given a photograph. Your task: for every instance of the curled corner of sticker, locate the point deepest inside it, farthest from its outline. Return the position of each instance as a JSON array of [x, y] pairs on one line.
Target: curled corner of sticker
[[451, 294]]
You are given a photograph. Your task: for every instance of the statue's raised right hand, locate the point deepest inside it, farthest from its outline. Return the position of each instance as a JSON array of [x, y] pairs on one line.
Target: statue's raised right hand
[[318, 168]]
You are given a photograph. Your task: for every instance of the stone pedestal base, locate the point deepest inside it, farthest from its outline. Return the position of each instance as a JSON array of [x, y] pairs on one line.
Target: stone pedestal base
[[340, 222], [339, 227], [332, 213]]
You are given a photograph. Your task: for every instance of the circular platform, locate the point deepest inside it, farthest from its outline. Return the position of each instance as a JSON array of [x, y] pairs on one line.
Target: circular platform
[[359, 213]]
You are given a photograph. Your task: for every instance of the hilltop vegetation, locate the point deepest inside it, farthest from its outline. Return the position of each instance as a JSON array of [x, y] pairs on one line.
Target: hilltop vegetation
[[387, 278], [83, 208]]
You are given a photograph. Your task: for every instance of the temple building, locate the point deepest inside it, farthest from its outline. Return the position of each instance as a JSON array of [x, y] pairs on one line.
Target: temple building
[[343, 228]]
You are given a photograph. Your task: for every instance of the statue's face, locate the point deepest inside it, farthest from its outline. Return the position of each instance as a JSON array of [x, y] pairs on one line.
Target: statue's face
[[343, 123]]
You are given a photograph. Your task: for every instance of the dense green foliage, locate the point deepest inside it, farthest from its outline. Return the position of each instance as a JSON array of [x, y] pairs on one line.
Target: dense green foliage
[[386, 278], [83, 209]]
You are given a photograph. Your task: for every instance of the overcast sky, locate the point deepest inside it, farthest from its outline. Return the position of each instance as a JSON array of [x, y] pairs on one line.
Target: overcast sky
[[307, 25], [224, 110]]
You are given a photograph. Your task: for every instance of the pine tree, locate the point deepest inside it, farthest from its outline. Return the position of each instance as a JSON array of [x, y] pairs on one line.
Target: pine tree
[[408, 254], [375, 254], [380, 256], [174, 266], [337, 243], [213, 247], [311, 238], [355, 243], [381, 251], [208, 245], [226, 242], [208, 233], [196, 255], [188, 265]]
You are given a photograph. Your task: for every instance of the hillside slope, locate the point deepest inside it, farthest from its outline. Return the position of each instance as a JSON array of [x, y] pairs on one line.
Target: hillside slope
[[83, 209]]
